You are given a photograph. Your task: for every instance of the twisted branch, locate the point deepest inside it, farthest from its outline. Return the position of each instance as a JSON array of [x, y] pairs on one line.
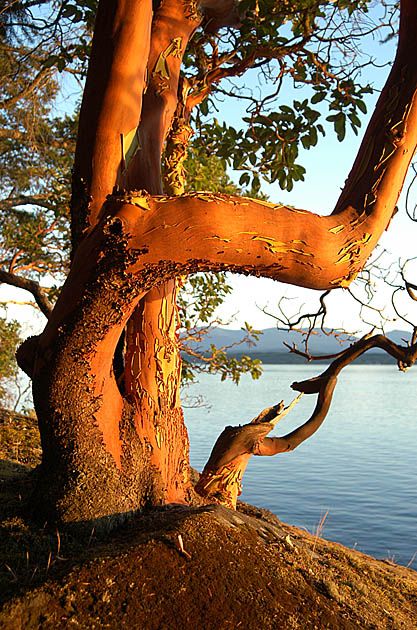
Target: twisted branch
[[29, 285], [221, 478]]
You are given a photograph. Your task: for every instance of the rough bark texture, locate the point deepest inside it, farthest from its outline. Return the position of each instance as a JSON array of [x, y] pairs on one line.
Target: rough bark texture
[[110, 447], [153, 361]]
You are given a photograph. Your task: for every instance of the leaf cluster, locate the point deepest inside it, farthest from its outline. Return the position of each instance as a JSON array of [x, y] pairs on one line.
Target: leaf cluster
[[226, 361], [10, 335], [282, 47], [35, 162]]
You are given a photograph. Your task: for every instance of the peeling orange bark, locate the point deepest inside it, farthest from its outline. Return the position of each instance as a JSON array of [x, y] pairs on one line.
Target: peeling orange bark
[[110, 450], [133, 138], [174, 24], [152, 329], [153, 373]]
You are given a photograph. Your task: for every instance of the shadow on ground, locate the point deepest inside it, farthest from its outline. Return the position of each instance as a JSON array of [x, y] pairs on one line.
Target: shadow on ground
[[185, 568]]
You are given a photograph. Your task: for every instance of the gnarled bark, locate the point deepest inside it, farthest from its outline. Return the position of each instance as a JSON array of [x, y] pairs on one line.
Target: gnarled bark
[[109, 450]]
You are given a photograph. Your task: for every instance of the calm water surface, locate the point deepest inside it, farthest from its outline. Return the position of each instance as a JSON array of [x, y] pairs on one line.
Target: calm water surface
[[361, 466]]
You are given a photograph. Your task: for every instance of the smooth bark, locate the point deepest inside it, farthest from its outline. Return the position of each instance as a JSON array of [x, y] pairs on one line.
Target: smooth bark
[[111, 106]]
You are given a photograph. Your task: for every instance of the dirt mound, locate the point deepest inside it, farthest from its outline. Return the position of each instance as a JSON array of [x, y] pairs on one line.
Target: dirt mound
[[212, 568], [185, 568]]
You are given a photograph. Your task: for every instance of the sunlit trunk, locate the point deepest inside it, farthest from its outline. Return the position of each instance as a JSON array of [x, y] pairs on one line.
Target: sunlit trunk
[[114, 443]]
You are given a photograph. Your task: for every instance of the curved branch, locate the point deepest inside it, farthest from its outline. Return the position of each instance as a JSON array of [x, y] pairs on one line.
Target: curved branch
[[27, 90], [373, 171], [221, 478], [405, 356], [29, 285], [213, 231], [275, 445], [203, 86]]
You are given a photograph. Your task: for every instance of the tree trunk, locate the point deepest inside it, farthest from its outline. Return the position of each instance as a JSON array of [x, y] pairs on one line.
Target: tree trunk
[[152, 359], [113, 444], [131, 122]]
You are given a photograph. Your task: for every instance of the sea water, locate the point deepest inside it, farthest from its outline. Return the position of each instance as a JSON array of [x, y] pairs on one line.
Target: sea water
[[359, 470]]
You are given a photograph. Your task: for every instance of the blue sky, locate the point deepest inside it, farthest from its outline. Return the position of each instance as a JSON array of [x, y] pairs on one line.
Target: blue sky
[[327, 167]]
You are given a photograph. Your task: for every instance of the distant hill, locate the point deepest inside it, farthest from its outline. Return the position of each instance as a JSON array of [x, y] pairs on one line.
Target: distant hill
[[270, 347]]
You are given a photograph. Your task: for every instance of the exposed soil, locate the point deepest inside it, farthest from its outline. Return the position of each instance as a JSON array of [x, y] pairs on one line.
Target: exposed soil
[[187, 568]]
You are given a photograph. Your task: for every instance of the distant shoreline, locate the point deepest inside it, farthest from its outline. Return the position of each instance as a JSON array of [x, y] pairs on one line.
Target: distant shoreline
[[288, 358], [269, 346]]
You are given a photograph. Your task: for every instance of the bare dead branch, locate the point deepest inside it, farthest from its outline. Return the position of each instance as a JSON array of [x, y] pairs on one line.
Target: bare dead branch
[[405, 356], [221, 478], [311, 357]]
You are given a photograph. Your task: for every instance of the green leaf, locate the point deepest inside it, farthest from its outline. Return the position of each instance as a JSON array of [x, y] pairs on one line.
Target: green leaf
[[204, 107], [340, 127], [305, 141], [244, 179], [355, 120], [362, 106], [256, 184], [318, 97]]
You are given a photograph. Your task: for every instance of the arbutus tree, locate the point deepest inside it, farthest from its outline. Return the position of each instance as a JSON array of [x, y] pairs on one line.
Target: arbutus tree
[[36, 155], [113, 438]]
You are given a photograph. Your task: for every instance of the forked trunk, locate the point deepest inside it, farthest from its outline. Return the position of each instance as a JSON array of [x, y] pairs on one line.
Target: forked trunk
[[152, 372], [134, 450], [116, 442]]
